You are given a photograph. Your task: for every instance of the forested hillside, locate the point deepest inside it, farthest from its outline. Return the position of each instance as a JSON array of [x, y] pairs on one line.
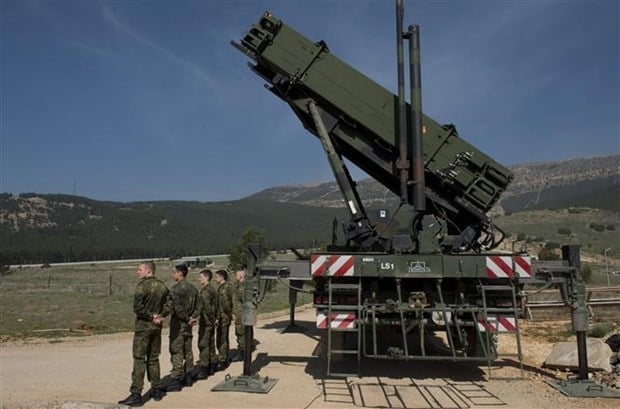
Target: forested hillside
[[52, 227], [36, 228]]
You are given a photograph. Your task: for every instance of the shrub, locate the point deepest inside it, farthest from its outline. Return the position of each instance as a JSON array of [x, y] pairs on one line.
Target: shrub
[[548, 254], [520, 236], [564, 230], [597, 226], [611, 227], [601, 329], [551, 245]]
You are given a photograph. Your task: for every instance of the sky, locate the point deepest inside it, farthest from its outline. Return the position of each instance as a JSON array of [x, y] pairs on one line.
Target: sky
[[147, 100]]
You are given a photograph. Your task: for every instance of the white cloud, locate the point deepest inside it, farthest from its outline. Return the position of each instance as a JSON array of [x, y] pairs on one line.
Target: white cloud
[[194, 70]]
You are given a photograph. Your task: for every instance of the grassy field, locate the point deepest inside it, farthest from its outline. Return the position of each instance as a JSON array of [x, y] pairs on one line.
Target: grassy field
[[96, 298], [546, 224], [89, 299]]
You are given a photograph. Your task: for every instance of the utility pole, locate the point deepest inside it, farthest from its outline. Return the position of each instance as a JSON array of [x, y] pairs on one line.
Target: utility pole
[[607, 265]]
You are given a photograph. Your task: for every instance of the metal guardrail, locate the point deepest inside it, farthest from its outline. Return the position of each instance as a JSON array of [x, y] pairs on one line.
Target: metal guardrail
[[593, 301]]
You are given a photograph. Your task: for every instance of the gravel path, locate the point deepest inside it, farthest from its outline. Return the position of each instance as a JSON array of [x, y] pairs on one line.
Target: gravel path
[[93, 373]]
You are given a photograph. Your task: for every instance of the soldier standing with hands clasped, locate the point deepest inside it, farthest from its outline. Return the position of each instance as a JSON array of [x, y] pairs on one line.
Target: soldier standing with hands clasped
[[183, 302], [238, 314], [149, 305], [206, 330], [224, 317]]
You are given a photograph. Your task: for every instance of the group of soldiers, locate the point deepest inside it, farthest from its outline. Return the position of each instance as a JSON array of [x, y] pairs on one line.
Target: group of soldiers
[[213, 308]]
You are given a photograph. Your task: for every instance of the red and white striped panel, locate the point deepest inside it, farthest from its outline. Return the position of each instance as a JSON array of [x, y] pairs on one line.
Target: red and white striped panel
[[339, 320], [332, 265], [508, 266], [501, 323]]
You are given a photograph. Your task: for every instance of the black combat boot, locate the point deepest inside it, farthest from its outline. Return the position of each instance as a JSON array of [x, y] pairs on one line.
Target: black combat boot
[[212, 368], [187, 379], [239, 356], [174, 385], [220, 366], [158, 393], [202, 372], [134, 399]]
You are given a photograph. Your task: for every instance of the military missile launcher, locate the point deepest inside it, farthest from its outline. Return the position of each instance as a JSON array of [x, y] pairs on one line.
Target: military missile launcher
[[381, 297]]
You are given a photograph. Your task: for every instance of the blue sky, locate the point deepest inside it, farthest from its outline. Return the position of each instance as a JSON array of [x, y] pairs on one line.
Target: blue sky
[[147, 100]]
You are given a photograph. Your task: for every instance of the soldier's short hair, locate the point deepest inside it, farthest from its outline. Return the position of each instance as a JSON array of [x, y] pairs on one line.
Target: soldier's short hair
[[150, 265], [182, 268], [222, 273], [207, 273]]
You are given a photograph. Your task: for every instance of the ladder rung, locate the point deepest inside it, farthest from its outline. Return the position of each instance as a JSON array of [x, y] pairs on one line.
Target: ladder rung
[[343, 329], [344, 286], [344, 351], [497, 287], [343, 375], [343, 307]]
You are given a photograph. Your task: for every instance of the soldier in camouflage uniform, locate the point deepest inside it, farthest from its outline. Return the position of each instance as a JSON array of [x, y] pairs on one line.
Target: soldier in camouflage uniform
[[224, 317], [149, 305], [238, 314], [184, 306], [206, 331]]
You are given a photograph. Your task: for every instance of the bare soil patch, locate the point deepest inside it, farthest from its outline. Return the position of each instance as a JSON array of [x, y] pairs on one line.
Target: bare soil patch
[[74, 372]]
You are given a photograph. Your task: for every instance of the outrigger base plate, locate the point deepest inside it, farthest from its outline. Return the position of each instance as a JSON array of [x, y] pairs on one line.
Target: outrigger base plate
[[243, 383], [583, 388]]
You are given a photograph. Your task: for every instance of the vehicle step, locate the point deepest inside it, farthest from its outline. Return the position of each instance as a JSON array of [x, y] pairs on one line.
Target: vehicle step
[[345, 351], [344, 286], [343, 375], [343, 307]]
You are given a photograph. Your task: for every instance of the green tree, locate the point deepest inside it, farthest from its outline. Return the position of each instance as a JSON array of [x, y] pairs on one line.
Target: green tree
[[239, 252]]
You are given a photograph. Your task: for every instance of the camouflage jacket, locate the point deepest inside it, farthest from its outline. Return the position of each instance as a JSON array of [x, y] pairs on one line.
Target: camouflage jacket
[[224, 303], [238, 301], [150, 298], [208, 305], [183, 303]]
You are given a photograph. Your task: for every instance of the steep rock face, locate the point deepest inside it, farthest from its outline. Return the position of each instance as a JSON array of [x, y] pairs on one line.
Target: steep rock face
[[539, 176], [530, 188]]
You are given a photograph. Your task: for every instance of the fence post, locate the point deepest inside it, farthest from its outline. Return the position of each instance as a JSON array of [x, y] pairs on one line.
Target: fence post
[[49, 281], [110, 288]]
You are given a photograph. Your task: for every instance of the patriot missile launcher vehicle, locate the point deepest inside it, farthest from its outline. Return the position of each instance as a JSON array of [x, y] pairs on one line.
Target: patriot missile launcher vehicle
[[380, 297]]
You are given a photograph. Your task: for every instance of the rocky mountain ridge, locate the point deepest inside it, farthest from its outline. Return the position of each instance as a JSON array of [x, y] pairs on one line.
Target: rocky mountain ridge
[[530, 179]]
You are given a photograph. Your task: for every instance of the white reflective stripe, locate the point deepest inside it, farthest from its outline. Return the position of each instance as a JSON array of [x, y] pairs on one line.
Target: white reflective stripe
[[337, 321], [497, 270], [338, 263], [506, 324], [520, 270], [318, 262]]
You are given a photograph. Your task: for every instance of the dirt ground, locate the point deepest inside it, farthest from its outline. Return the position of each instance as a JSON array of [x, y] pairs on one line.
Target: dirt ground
[[93, 372]]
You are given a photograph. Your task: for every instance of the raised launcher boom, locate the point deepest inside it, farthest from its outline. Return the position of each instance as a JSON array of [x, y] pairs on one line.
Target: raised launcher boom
[[360, 116]]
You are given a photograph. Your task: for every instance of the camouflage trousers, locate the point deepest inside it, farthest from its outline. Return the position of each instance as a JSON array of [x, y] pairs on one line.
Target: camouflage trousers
[[146, 349], [222, 342], [181, 354], [206, 345], [240, 334]]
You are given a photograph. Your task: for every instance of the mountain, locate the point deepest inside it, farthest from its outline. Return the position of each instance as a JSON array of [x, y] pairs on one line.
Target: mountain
[[584, 182], [37, 227], [54, 227]]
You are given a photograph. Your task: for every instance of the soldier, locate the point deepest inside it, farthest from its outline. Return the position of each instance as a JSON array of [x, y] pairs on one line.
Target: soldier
[[224, 317], [149, 305], [238, 314], [184, 305], [206, 331]]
